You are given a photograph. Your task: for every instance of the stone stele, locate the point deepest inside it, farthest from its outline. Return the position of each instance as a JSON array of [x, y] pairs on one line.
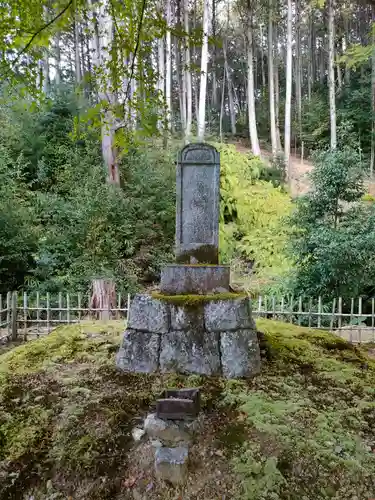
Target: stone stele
[[197, 205]]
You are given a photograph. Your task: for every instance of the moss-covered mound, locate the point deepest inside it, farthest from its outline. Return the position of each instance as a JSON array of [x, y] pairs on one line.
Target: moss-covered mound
[[303, 429]]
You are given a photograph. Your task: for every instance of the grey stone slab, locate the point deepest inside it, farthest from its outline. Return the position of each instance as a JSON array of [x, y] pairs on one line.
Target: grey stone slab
[[191, 351], [240, 354], [223, 315], [170, 432], [171, 464], [184, 279], [187, 318], [139, 352], [148, 314], [197, 204]]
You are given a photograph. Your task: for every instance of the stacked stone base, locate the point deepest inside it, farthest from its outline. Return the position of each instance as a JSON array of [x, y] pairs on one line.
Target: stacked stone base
[[215, 338]]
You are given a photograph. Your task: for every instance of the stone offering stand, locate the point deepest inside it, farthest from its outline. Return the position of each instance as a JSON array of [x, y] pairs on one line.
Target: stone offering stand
[[194, 324], [170, 431]]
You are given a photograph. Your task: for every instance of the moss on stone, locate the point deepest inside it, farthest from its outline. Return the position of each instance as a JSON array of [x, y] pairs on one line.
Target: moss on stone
[[190, 300], [205, 254]]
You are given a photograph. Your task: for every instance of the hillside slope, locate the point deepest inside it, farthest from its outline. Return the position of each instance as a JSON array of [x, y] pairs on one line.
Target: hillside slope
[[303, 429]]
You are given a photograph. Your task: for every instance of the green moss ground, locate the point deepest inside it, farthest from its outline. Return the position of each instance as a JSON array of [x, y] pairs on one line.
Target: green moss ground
[[302, 430]]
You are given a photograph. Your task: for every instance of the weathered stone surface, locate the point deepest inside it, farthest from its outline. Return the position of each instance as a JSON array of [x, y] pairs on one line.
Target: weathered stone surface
[[137, 434], [170, 432], [148, 314], [223, 315], [176, 408], [240, 354], [171, 464], [187, 318], [197, 204], [191, 351], [192, 393], [139, 352], [182, 279]]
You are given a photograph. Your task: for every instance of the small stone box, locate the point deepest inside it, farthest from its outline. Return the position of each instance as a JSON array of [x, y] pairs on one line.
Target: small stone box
[[179, 404]]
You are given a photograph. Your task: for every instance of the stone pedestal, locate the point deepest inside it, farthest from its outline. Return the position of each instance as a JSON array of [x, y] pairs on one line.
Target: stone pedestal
[[213, 338], [194, 279]]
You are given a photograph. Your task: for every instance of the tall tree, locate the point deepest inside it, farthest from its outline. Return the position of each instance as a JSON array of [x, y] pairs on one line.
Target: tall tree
[[271, 81], [232, 111], [168, 65], [187, 72], [331, 71], [204, 64], [250, 82], [288, 91]]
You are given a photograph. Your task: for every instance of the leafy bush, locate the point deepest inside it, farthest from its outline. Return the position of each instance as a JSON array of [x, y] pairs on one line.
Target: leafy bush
[[334, 232], [18, 239], [253, 234]]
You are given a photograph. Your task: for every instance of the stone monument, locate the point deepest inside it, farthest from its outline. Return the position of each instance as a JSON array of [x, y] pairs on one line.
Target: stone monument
[[195, 324]]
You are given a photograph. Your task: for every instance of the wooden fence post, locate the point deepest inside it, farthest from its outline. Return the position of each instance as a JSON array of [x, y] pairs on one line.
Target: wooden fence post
[[14, 316]]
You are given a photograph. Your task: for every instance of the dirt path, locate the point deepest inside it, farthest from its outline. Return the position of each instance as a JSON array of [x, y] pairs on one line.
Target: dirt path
[[299, 170]]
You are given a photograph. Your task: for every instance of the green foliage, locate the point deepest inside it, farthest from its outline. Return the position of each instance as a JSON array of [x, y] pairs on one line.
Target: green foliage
[[73, 225], [18, 241], [334, 231], [253, 233], [353, 110]]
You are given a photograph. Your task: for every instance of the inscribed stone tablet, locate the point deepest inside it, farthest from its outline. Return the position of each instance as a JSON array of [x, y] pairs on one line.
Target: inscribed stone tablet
[[197, 204]]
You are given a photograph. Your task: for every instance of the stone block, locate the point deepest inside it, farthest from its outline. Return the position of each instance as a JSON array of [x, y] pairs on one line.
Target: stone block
[[240, 353], [139, 352], [197, 204], [148, 314], [176, 409], [191, 351], [187, 318], [189, 279], [170, 432], [171, 464], [191, 393], [224, 315]]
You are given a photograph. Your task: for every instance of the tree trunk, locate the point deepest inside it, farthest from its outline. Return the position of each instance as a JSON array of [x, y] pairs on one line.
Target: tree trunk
[[161, 74], [322, 68], [271, 81], [103, 298], [277, 93], [77, 55], [250, 84], [288, 93], [214, 78], [180, 74], [346, 43], [262, 60], [372, 160], [232, 111], [222, 108], [168, 63], [57, 60], [204, 62], [331, 71], [103, 294], [310, 71], [189, 100], [298, 77]]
